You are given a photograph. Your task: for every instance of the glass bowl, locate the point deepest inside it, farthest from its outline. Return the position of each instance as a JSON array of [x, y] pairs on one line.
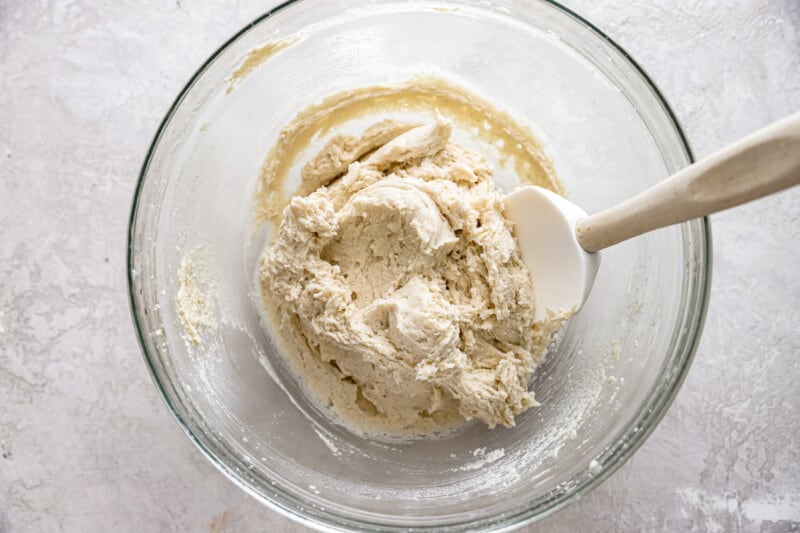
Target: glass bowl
[[603, 387]]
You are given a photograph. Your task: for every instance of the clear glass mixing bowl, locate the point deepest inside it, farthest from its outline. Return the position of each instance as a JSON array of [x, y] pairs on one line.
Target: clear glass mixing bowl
[[602, 390]]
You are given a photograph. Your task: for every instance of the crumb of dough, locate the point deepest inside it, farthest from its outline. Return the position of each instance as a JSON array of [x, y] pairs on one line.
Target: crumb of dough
[[398, 286], [195, 306]]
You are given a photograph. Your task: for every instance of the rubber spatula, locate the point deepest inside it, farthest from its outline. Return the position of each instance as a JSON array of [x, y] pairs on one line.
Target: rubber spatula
[[561, 244]]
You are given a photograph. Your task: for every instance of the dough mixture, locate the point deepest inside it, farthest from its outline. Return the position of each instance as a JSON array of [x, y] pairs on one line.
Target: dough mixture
[[399, 285]]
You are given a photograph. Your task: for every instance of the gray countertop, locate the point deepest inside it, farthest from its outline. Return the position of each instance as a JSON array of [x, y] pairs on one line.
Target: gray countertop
[[86, 444]]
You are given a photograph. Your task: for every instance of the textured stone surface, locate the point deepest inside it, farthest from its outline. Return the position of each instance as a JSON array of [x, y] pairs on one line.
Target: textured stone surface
[[87, 445]]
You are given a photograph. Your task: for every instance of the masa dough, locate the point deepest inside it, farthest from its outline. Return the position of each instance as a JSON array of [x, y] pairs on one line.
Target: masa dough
[[398, 285]]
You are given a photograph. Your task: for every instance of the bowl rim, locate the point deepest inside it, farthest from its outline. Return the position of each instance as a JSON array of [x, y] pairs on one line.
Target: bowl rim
[[620, 450]]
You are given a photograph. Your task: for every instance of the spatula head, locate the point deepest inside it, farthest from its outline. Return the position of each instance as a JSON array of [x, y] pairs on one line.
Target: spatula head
[[561, 270]]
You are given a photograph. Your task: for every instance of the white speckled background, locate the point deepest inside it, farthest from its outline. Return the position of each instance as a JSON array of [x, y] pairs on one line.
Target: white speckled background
[[87, 445]]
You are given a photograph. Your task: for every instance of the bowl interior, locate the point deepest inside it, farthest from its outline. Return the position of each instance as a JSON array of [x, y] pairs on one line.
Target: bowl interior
[[604, 384]]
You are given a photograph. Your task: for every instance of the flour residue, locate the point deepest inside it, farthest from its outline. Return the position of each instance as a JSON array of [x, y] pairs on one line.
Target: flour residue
[[483, 458], [194, 301], [326, 441]]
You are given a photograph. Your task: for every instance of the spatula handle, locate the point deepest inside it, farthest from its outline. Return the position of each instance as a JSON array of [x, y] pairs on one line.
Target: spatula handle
[[760, 164]]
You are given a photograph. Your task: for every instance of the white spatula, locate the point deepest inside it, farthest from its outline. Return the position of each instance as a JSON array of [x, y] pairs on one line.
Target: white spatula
[[560, 242]]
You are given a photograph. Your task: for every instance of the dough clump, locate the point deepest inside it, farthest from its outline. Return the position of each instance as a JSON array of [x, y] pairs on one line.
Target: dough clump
[[398, 286]]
